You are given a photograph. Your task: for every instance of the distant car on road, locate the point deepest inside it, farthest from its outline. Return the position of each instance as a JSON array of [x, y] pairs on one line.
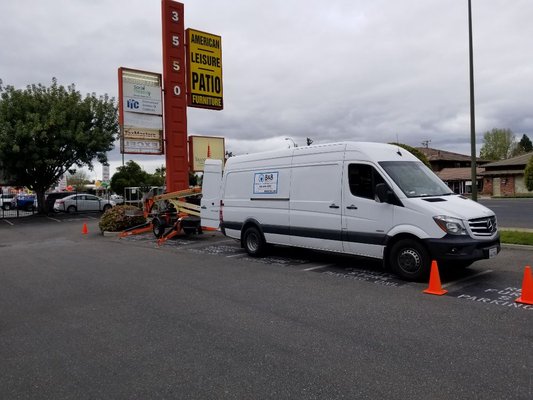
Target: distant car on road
[[82, 202], [5, 201], [26, 202]]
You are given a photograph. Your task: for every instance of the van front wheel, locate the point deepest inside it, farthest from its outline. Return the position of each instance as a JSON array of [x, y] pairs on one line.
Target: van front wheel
[[253, 242], [410, 260]]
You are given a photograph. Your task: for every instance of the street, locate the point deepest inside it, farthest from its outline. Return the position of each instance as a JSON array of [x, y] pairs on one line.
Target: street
[[511, 213], [88, 316]]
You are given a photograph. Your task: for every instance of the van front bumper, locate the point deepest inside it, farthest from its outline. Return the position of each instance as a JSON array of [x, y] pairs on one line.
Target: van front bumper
[[460, 248]]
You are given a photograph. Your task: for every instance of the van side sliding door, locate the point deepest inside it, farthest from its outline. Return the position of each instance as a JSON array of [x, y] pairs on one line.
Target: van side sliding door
[[315, 202]]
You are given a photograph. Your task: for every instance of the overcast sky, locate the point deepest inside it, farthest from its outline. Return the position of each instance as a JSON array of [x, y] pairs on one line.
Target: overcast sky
[[371, 70]]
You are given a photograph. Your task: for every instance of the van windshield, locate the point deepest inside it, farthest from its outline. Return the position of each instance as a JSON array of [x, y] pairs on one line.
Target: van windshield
[[415, 179]]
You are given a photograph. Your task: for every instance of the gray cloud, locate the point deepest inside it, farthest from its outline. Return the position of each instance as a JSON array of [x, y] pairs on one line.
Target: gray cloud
[[336, 70]]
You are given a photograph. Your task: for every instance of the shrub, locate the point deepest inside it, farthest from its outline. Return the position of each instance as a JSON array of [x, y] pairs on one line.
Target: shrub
[[120, 217], [528, 174]]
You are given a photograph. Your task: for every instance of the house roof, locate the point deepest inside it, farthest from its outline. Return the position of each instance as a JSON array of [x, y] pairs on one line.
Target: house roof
[[443, 155], [458, 174], [498, 172], [511, 162]]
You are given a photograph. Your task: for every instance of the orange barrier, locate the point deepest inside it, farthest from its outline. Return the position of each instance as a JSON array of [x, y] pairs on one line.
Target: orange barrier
[[527, 287], [84, 230], [434, 281]]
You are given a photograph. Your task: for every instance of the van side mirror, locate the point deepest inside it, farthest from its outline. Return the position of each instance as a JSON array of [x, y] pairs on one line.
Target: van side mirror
[[383, 193]]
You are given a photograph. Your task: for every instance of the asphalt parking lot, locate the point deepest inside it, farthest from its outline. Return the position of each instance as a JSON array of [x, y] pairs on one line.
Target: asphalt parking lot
[[88, 316]]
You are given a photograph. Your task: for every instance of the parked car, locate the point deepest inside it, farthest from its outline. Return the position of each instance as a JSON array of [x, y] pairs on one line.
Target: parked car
[[51, 198], [118, 199], [5, 201], [82, 202], [26, 202]]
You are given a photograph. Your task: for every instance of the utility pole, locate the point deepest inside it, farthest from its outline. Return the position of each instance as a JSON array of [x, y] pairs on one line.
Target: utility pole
[[472, 106]]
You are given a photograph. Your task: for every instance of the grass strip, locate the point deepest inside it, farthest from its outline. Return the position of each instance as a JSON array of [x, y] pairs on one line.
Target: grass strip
[[516, 237]]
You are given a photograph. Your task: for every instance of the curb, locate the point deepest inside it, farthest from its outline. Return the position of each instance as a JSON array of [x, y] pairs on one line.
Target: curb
[[516, 246], [109, 234]]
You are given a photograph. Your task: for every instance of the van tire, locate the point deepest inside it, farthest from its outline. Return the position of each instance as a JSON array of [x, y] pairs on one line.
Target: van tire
[[253, 242], [410, 260]]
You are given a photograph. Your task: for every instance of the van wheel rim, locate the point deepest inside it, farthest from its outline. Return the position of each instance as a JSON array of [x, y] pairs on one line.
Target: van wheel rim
[[409, 260], [252, 242]]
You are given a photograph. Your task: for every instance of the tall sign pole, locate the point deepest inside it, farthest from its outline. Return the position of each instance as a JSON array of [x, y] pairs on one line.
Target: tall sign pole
[[174, 96], [472, 107]]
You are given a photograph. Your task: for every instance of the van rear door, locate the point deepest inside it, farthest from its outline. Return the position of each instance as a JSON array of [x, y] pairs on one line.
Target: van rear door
[[210, 203]]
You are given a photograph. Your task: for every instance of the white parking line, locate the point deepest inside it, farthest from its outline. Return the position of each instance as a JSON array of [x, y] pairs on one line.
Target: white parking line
[[319, 267], [8, 222], [236, 255], [53, 219], [488, 271]]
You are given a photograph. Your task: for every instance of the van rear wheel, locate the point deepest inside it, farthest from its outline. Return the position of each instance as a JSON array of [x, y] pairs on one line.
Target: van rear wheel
[[253, 242], [410, 260]]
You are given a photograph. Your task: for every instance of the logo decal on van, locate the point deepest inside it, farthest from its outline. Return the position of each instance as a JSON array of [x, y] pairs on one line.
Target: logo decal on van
[[266, 183]]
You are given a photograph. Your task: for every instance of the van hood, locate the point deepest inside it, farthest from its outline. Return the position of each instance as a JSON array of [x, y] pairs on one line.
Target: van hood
[[454, 206]]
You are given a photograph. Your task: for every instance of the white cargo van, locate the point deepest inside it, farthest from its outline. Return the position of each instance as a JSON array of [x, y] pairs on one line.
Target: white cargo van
[[367, 199]]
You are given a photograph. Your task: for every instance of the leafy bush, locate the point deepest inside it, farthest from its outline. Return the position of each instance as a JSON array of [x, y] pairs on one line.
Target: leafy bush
[[528, 174], [120, 217]]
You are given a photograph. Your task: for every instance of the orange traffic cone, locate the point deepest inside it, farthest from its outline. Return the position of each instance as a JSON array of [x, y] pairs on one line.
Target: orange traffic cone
[[84, 230], [434, 281], [527, 287]]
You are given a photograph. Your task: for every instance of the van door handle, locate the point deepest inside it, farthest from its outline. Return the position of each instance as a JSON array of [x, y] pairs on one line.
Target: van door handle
[[334, 206], [204, 208], [352, 207]]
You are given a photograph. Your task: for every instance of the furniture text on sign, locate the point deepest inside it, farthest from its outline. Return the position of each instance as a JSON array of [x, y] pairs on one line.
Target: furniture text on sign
[[204, 60]]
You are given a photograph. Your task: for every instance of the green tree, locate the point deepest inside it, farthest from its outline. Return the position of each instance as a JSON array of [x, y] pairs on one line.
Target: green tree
[[524, 145], [46, 131], [161, 172], [528, 174], [415, 152], [132, 175], [78, 180], [498, 144]]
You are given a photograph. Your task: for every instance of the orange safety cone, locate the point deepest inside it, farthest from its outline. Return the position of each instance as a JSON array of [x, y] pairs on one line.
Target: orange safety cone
[[84, 230], [434, 281], [527, 287]]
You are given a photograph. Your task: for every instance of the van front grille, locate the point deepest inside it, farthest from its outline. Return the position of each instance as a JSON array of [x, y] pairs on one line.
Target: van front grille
[[483, 226]]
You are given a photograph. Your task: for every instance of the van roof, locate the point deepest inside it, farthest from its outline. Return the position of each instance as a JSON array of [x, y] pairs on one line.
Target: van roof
[[371, 151]]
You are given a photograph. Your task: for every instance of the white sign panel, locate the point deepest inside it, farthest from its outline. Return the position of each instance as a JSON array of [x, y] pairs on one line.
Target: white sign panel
[[266, 183], [142, 98], [141, 112], [142, 146], [143, 120], [105, 173]]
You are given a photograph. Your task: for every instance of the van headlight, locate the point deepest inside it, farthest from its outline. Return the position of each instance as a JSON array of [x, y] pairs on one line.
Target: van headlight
[[453, 226]]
